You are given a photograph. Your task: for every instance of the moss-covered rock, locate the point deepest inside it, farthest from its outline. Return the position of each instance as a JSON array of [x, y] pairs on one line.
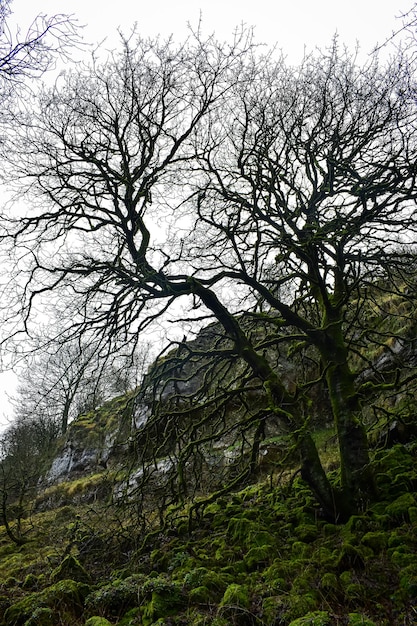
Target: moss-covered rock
[[200, 595], [397, 538], [239, 529], [160, 598], [42, 617], [306, 532], [66, 595], [19, 612], [235, 604], [315, 618], [356, 523], [301, 549], [70, 568], [358, 619], [377, 541], [31, 582], [235, 595], [330, 529], [115, 598], [257, 557], [276, 582], [203, 577], [350, 558], [300, 604], [402, 556], [408, 582], [398, 510], [412, 514], [272, 609], [97, 621], [329, 582]]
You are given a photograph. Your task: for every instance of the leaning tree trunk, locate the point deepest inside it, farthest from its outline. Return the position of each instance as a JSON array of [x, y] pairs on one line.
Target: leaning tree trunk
[[282, 403]]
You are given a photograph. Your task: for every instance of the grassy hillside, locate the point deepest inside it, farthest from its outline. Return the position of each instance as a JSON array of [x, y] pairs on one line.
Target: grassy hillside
[[263, 556]]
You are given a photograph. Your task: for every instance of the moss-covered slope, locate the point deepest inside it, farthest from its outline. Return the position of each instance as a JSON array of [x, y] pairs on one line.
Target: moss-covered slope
[[262, 556]]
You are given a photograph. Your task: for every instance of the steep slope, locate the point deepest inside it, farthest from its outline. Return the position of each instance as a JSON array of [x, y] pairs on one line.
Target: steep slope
[[260, 556]]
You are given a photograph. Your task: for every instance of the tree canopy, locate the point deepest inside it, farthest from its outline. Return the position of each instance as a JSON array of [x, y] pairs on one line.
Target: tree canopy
[[220, 177]]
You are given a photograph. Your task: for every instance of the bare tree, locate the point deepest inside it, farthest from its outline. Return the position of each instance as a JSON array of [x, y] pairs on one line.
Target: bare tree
[[222, 178], [30, 54], [25, 451], [62, 379], [35, 51], [405, 35], [56, 382]]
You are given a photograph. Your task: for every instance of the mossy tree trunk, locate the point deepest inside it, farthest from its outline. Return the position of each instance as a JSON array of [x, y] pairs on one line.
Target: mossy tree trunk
[[282, 403], [357, 483], [15, 535]]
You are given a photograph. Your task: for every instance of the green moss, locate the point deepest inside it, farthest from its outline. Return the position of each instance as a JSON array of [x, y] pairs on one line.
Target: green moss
[[357, 619], [19, 612], [257, 557], [160, 606], [315, 618], [397, 538], [235, 602], [377, 541], [330, 530], [300, 604], [97, 621], [166, 598], [235, 595], [350, 558], [402, 556], [306, 532], [324, 557], [65, 514], [408, 582], [260, 538], [115, 598], [356, 523], [227, 555], [272, 608], [42, 617], [30, 582], [398, 510], [329, 581], [66, 594], [304, 582], [70, 568], [212, 580], [213, 509], [131, 618], [239, 529], [200, 595], [355, 591], [412, 513], [301, 549], [278, 575]]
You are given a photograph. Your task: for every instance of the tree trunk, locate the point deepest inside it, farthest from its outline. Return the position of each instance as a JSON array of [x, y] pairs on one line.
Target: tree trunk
[[356, 472], [15, 537], [282, 403]]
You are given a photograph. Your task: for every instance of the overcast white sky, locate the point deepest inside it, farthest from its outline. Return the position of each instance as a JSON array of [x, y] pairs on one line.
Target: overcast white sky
[[290, 23], [294, 25]]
